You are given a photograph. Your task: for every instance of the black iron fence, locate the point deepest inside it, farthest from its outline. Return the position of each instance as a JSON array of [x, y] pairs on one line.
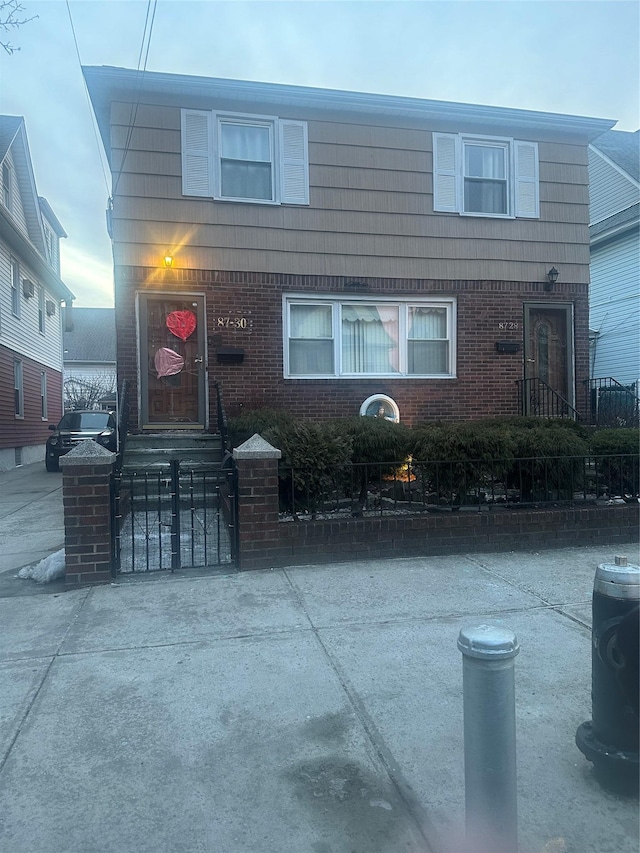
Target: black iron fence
[[123, 421], [611, 404], [412, 486], [174, 517]]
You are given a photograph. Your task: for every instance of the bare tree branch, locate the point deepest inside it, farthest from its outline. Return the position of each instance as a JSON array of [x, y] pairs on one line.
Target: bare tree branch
[[10, 19], [87, 392]]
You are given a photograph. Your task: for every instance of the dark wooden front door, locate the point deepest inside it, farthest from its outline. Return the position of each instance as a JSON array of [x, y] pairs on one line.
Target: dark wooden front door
[[549, 347], [172, 361]]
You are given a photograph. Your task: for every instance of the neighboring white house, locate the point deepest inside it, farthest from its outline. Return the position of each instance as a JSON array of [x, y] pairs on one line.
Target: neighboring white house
[[89, 358], [31, 292], [614, 197]]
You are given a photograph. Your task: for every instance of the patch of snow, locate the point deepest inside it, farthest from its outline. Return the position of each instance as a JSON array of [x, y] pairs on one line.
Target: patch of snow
[[49, 569]]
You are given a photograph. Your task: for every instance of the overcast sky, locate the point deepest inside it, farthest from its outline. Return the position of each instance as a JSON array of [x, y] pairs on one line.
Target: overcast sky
[[568, 56]]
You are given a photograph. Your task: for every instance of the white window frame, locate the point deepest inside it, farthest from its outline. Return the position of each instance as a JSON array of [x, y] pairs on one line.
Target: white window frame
[[44, 409], [268, 122], [201, 134], [522, 175], [403, 305], [41, 310], [15, 287], [497, 144], [7, 188], [18, 388]]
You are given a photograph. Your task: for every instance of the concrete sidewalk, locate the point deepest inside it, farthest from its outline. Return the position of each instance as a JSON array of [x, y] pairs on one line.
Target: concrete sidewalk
[[31, 524], [315, 709]]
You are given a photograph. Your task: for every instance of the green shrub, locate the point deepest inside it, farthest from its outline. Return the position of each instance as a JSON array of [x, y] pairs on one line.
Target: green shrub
[[620, 441], [314, 457], [617, 453], [260, 421], [374, 439]]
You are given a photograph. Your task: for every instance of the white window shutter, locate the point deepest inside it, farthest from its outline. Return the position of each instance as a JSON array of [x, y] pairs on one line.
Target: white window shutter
[[527, 181], [446, 172], [196, 153], [294, 162]]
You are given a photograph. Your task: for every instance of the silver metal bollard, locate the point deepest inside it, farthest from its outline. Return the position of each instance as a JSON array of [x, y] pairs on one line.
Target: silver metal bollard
[[489, 738]]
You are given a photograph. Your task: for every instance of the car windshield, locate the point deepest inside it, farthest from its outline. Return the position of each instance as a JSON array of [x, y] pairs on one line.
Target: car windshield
[[94, 421]]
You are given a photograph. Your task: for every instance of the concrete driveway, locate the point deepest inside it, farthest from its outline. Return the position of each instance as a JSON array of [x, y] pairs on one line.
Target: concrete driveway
[[316, 709]]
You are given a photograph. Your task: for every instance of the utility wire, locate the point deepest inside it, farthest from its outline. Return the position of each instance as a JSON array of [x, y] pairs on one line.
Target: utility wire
[[146, 35], [86, 91]]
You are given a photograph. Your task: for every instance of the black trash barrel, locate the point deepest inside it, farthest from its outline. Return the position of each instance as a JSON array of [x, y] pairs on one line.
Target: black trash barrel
[[610, 739]]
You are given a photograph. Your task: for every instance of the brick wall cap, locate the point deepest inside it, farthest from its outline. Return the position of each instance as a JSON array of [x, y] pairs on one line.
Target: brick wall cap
[[256, 448], [87, 453]]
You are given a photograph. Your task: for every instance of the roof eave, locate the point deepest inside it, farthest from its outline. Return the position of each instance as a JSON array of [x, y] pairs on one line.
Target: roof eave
[[106, 83], [27, 252]]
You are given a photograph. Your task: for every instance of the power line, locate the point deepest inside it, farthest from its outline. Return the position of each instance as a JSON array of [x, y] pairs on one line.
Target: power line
[[86, 91], [146, 35]]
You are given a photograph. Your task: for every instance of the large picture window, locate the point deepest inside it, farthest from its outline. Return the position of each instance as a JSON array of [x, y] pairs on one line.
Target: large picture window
[[358, 337]]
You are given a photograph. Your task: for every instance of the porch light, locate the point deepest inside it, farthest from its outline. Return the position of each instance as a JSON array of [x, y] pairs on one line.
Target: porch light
[[552, 277], [167, 260]]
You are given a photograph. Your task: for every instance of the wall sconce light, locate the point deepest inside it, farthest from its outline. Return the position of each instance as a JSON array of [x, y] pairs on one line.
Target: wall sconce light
[[552, 277], [167, 260]]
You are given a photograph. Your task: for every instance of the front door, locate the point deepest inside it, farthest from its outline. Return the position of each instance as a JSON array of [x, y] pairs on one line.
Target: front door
[[172, 361], [548, 348]]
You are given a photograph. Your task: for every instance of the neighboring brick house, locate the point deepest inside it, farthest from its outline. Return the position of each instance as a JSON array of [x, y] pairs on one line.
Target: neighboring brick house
[[31, 292], [329, 248], [614, 191], [89, 341]]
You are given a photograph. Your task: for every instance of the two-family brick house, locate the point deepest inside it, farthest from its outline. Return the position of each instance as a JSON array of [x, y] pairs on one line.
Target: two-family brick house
[[31, 292], [329, 250]]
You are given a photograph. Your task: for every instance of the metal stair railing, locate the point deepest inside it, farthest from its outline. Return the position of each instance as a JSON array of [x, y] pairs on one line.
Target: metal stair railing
[[538, 399]]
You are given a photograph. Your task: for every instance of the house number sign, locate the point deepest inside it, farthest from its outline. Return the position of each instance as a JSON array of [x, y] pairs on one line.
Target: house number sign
[[508, 326], [238, 323]]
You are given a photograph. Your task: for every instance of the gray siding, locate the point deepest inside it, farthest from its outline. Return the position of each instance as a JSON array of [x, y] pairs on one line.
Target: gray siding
[[610, 191], [615, 297]]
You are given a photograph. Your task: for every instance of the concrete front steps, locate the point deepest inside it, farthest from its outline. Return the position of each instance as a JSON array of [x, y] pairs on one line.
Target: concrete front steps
[[153, 451]]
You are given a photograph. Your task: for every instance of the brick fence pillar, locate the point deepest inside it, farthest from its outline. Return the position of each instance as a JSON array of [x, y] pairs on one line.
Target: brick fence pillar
[[86, 476], [258, 533]]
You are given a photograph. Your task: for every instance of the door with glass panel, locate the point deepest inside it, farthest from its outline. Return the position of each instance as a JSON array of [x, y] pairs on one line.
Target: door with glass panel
[[172, 361], [548, 355]]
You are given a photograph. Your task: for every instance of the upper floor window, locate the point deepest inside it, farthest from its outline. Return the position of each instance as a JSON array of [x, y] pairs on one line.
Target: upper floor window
[[41, 309], [485, 176], [231, 157], [6, 186], [356, 337], [15, 287]]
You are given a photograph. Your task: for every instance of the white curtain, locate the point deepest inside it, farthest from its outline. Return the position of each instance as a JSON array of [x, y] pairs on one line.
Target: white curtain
[[487, 193], [310, 340], [369, 339], [245, 142], [428, 347], [246, 161]]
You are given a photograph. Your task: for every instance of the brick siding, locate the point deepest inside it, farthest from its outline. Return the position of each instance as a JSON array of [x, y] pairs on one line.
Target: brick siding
[[485, 383]]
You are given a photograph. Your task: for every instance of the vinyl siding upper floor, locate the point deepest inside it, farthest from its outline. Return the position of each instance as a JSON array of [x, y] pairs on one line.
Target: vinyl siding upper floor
[[21, 331], [611, 189], [370, 209], [614, 314], [11, 197]]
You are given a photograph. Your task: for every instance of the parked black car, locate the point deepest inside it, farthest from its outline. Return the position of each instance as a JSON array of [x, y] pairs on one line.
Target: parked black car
[[81, 425]]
